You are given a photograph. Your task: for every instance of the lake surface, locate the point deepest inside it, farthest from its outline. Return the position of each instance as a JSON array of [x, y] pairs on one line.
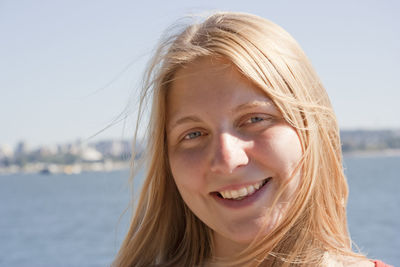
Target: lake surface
[[77, 220]]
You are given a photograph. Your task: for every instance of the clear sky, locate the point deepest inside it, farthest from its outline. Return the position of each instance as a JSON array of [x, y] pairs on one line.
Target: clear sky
[[68, 68]]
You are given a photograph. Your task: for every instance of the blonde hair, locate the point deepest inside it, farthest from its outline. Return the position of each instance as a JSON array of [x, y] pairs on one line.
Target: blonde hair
[[164, 232]]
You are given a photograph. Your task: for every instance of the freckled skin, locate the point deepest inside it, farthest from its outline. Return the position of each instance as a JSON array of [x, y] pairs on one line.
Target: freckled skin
[[224, 146]]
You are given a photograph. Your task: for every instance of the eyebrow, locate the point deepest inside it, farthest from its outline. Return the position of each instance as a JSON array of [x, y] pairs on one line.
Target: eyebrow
[[253, 104], [183, 120]]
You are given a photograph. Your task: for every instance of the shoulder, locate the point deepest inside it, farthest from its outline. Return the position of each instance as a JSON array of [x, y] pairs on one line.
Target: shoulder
[[379, 263]]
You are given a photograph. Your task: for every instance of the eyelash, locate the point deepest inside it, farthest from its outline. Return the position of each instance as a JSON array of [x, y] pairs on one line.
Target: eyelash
[[187, 136], [258, 118]]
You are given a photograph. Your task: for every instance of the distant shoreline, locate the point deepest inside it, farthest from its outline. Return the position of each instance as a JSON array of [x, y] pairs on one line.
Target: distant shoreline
[[373, 153], [69, 169], [49, 169]]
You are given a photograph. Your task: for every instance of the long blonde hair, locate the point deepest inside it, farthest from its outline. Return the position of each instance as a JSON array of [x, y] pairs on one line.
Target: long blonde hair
[[163, 231]]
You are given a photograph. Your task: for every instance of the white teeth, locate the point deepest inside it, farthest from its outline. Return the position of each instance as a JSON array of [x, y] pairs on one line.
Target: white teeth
[[251, 189], [241, 192], [226, 194], [258, 185], [234, 194]]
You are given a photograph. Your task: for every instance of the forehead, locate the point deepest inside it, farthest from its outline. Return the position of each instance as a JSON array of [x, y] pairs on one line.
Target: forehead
[[212, 84], [210, 74], [205, 73]]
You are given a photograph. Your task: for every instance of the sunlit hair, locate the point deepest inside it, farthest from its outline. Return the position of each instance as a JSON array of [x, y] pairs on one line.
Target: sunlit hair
[[163, 231]]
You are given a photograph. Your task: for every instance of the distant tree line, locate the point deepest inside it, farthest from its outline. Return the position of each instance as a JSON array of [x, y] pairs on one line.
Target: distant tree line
[[368, 140]]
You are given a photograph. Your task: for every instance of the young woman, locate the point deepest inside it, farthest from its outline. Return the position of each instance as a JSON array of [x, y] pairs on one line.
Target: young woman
[[244, 165]]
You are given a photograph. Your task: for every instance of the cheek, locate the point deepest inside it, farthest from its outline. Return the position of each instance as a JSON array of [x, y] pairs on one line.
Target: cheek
[[187, 169], [280, 150]]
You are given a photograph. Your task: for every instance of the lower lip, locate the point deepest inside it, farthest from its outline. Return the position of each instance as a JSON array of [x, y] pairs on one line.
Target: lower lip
[[247, 201]]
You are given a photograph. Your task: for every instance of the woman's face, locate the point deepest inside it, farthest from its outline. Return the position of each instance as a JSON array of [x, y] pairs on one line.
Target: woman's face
[[229, 151]]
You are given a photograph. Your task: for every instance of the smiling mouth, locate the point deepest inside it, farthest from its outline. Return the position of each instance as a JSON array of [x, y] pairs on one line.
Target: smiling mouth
[[243, 192]]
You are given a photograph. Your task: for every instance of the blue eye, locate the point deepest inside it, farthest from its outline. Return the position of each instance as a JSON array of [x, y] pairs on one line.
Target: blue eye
[[256, 119], [192, 135]]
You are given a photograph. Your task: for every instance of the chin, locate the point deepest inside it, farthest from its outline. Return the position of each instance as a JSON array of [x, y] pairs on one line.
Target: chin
[[245, 234]]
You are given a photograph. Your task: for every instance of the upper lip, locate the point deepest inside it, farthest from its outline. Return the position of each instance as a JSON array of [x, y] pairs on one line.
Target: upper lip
[[238, 186]]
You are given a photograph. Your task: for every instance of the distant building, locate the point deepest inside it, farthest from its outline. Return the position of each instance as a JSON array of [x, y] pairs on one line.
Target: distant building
[[91, 154], [6, 151], [22, 148], [45, 151], [114, 148], [6, 155]]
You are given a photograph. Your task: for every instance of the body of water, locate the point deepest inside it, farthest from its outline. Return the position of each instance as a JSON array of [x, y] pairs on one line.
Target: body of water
[[75, 220]]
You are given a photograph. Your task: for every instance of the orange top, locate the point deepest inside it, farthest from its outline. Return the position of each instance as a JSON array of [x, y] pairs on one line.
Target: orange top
[[381, 264]]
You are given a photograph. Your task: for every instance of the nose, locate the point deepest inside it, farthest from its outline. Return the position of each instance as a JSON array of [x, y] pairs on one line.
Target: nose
[[228, 154]]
